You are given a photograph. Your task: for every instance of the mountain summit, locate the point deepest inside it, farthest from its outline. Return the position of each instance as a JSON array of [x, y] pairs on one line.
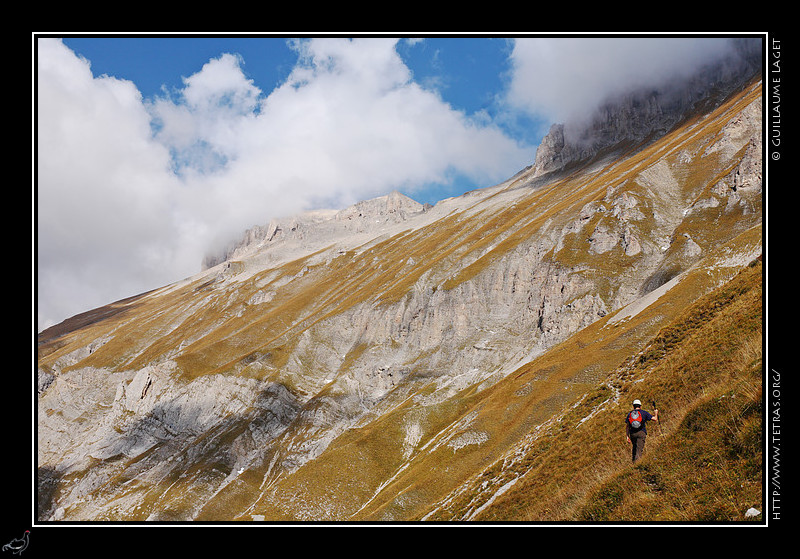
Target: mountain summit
[[393, 361], [320, 227]]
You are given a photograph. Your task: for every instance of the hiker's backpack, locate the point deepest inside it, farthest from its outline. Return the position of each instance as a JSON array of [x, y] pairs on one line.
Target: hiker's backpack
[[635, 418]]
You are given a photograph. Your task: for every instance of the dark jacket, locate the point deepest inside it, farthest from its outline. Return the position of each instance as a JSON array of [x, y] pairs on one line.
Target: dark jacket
[[645, 418]]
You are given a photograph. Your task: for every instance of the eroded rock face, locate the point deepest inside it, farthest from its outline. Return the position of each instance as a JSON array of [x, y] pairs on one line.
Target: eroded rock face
[[316, 226], [639, 114], [392, 305]]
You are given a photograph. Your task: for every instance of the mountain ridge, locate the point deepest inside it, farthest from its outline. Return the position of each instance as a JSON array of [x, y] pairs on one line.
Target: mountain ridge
[[360, 217], [350, 377]]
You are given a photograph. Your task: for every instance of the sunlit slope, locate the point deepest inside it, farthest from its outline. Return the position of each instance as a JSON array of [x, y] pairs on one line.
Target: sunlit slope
[[399, 471], [703, 462], [211, 323], [369, 377], [560, 388]]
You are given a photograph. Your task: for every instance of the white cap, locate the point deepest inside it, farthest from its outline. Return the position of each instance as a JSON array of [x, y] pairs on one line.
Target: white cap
[[637, 403]]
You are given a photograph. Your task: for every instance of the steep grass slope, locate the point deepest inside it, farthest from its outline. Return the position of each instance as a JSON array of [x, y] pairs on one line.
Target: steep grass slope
[[703, 461], [371, 378]]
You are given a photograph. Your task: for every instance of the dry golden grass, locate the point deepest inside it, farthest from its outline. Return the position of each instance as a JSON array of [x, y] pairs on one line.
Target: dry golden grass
[[707, 360], [703, 461]]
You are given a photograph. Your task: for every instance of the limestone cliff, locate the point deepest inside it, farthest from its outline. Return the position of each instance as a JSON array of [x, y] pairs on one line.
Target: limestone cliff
[[321, 226], [642, 115], [339, 365]]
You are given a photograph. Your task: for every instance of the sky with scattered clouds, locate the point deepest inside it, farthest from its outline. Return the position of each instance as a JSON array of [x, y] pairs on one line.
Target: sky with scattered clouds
[[152, 152]]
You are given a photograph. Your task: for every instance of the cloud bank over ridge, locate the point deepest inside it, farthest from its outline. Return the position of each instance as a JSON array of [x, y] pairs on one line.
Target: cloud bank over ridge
[[133, 192], [568, 78]]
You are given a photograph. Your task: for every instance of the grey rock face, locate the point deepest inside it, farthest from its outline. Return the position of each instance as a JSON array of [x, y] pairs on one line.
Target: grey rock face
[[155, 442], [639, 116], [316, 226]]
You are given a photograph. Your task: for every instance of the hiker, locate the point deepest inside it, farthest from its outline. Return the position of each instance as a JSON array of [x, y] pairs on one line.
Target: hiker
[[635, 430]]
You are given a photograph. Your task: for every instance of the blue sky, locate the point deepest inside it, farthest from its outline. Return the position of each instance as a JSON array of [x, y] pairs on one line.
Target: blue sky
[[153, 151], [470, 71], [470, 74]]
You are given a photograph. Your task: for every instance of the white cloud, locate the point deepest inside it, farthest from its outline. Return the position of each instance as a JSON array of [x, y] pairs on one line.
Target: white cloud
[[122, 210], [567, 77], [348, 123], [103, 189]]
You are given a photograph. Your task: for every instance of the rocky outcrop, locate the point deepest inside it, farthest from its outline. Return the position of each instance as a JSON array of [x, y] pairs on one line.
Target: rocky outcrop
[[351, 343], [320, 225], [640, 116]]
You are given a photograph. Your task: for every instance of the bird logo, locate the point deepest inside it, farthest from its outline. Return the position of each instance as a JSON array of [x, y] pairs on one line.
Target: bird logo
[[18, 545]]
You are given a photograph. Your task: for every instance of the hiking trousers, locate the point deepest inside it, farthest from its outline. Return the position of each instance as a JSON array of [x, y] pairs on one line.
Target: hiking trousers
[[637, 446]]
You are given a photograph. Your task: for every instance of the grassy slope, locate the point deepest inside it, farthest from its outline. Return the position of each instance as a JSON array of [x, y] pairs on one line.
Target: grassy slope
[[505, 413], [219, 339], [703, 462], [220, 332]]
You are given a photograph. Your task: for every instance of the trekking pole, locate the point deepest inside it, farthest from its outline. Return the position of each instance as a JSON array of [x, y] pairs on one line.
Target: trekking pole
[[660, 429]]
